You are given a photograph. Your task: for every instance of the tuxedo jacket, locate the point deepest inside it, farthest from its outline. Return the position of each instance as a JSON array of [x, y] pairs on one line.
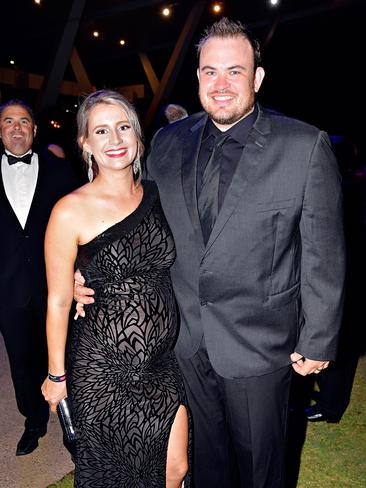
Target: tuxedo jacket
[[270, 279], [23, 275]]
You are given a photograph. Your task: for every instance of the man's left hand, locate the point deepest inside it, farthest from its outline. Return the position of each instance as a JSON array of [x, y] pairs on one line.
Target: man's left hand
[[305, 366]]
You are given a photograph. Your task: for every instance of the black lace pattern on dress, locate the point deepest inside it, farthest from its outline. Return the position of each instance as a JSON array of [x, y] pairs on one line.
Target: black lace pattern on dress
[[124, 381]]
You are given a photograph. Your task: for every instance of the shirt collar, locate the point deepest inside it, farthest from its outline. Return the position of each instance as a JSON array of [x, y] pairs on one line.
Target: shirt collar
[[239, 131], [18, 155]]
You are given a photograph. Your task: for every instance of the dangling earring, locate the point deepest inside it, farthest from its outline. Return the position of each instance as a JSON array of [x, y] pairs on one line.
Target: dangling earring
[[137, 165], [90, 168]]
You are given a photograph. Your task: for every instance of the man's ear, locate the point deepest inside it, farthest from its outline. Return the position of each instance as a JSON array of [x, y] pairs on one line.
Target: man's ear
[[258, 78]]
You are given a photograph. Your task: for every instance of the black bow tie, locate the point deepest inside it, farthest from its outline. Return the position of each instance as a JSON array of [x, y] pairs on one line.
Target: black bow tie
[[24, 159]]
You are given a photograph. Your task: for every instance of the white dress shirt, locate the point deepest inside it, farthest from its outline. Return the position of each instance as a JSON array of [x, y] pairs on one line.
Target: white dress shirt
[[20, 181]]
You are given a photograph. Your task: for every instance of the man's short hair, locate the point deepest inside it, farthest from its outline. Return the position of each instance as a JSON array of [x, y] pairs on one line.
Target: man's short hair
[[225, 29]]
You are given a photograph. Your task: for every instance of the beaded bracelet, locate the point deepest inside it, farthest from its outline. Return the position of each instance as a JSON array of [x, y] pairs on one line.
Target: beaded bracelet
[[57, 379]]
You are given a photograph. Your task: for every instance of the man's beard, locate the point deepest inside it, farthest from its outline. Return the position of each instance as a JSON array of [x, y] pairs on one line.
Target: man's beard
[[230, 118]]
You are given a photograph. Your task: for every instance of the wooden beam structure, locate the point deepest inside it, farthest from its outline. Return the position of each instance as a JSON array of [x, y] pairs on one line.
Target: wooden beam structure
[[131, 92], [149, 72], [50, 89], [175, 62], [80, 73], [22, 79]]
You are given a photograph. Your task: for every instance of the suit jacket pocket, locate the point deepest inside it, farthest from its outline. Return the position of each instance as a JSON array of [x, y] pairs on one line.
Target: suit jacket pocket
[[278, 300], [278, 205]]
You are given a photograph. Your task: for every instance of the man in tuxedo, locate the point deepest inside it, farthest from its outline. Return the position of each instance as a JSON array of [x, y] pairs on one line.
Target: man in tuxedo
[[254, 203], [29, 187]]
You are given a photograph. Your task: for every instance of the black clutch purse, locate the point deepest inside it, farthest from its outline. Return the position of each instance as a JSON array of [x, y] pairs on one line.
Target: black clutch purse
[[64, 415]]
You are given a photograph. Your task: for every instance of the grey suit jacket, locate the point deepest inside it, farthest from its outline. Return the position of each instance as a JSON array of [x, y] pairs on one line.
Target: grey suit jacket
[[270, 280]]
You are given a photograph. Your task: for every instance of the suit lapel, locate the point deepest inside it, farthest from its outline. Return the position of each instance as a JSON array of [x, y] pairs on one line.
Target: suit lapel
[[5, 204], [250, 159], [191, 149], [37, 194]]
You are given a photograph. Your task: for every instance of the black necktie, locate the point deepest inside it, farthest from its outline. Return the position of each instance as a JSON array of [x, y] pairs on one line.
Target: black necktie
[[24, 159], [208, 197]]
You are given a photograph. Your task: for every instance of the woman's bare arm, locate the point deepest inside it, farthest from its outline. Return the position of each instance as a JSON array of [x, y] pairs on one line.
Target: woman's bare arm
[[60, 252]]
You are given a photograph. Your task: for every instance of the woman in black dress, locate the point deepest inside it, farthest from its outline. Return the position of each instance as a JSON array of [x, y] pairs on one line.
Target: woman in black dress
[[126, 390]]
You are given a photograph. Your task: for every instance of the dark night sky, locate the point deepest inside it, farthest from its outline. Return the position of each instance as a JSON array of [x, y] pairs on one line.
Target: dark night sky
[[313, 61]]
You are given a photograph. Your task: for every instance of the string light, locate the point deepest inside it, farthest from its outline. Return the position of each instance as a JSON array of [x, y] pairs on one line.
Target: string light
[[38, 2], [166, 11], [122, 42], [55, 124], [96, 34], [217, 8], [274, 2], [12, 61]]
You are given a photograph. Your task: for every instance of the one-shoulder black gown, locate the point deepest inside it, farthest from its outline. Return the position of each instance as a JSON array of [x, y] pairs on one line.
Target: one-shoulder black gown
[[125, 385]]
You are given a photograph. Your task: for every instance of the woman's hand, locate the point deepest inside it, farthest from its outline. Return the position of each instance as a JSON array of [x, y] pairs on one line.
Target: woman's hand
[[53, 392]]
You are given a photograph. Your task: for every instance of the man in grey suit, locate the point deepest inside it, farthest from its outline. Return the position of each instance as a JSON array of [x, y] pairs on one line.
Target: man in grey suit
[[254, 203]]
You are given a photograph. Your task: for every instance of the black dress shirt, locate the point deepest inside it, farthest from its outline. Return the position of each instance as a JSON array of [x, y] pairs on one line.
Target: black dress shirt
[[232, 151]]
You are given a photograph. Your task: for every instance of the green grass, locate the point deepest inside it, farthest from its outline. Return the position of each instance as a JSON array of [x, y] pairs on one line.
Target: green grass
[[66, 482], [334, 455]]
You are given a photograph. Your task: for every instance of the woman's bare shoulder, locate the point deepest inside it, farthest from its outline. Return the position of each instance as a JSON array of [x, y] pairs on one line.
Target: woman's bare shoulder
[[73, 207]]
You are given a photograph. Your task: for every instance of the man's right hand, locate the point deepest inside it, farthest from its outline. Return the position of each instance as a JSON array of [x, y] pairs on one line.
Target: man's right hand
[[82, 294]]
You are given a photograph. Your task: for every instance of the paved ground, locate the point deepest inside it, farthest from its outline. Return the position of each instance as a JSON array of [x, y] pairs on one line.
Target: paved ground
[[47, 464]]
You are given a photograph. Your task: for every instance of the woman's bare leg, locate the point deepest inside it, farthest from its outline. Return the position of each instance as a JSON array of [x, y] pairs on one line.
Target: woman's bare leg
[[177, 456]]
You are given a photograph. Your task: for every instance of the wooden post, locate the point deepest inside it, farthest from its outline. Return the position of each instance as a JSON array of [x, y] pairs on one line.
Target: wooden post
[[176, 60], [50, 89]]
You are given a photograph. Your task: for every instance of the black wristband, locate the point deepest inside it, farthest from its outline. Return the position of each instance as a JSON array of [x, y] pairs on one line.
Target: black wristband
[[57, 379]]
